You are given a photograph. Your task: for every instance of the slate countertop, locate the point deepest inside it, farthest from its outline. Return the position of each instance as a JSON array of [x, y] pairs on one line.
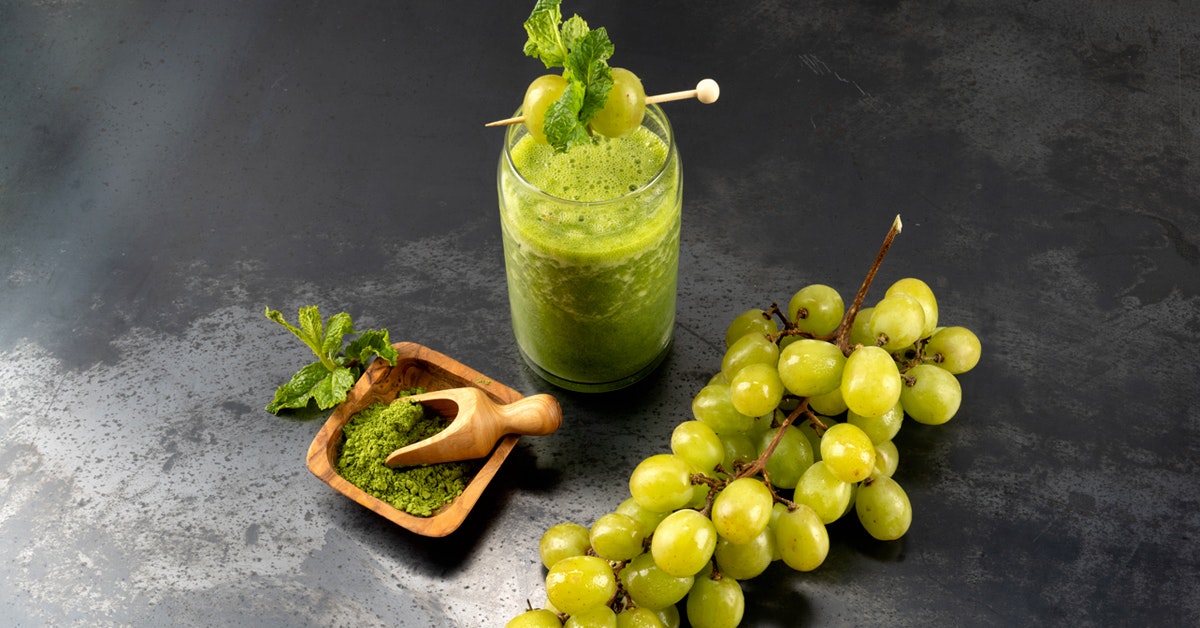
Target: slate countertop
[[170, 169]]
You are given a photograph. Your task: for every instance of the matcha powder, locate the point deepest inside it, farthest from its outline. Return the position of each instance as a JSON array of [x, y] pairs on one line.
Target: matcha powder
[[379, 429]]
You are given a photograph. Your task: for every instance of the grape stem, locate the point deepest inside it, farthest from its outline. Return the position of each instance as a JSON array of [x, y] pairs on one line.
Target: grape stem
[[843, 331]]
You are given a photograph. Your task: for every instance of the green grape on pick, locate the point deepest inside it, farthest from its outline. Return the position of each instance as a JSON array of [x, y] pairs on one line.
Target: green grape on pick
[[715, 603]]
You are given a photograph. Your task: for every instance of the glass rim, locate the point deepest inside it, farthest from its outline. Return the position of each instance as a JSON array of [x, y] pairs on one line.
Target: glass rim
[[651, 109]]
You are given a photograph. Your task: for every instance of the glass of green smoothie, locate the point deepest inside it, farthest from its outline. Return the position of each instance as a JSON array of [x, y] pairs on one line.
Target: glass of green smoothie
[[591, 247]]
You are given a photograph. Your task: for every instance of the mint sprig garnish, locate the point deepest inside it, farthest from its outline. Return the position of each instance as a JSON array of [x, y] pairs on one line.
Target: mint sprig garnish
[[583, 54], [329, 379]]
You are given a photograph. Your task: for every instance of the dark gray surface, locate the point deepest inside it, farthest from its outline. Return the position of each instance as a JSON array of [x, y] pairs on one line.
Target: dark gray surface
[[168, 169]]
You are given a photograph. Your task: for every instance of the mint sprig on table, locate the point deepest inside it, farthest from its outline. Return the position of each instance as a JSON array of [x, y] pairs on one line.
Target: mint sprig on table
[[583, 54], [333, 374]]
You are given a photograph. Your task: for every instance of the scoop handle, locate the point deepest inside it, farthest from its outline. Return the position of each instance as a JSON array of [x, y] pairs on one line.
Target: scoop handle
[[536, 415]]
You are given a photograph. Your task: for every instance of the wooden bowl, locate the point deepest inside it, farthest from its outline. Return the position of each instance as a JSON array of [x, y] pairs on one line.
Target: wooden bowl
[[416, 367]]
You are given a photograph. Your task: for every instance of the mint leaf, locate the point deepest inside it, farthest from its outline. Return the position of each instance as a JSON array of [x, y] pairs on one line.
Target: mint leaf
[[373, 342], [297, 392], [562, 125], [572, 30], [328, 380], [335, 332], [332, 389], [545, 40], [588, 64]]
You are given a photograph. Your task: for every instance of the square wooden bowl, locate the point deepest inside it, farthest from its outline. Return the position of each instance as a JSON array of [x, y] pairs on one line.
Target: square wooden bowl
[[416, 367]]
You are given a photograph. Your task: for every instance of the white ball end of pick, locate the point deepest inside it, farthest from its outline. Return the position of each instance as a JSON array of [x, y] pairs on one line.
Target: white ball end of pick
[[707, 91]]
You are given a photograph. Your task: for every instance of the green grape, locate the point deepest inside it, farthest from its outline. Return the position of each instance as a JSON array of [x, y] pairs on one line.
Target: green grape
[[792, 456], [578, 583], [563, 540], [683, 543], [651, 587], [883, 508], [933, 396], [626, 104], [802, 538], [638, 617], [753, 321], [747, 350], [829, 404], [713, 405], [870, 381], [742, 510], [897, 321], [647, 519], [955, 349], [668, 615], [860, 331], [847, 452], [593, 617], [662, 483], [887, 458], [540, 94], [824, 492], [742, 561], [810, 367], [718, 379], [776, 511], [822, 309], [810, 432], [920, 291], [715, 603], [882, 427], [698, 444], [616, 537], [756, 390], [738, 448], [538, 618]]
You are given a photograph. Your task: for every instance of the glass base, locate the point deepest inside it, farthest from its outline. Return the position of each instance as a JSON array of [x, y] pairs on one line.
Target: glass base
[[598, 387]]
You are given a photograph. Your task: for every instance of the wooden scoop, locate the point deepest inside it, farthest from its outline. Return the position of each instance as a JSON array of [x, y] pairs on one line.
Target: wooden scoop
[[476, 424]]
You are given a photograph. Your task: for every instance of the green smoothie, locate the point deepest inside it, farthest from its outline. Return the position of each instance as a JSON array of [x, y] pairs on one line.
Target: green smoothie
[[591, 243]]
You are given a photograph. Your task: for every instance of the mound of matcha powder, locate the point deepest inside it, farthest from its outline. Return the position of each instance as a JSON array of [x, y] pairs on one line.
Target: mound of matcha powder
[[379, 429]]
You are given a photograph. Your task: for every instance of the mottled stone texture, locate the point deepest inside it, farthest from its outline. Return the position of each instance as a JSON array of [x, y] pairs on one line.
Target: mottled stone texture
[[169, 169]]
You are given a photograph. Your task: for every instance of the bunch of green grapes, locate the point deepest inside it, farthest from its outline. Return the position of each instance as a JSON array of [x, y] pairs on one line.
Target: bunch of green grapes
[[793, 433]]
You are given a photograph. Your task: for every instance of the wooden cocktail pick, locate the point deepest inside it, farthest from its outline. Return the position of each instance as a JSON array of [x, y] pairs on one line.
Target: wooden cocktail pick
[[477, 424], [707, 91]]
